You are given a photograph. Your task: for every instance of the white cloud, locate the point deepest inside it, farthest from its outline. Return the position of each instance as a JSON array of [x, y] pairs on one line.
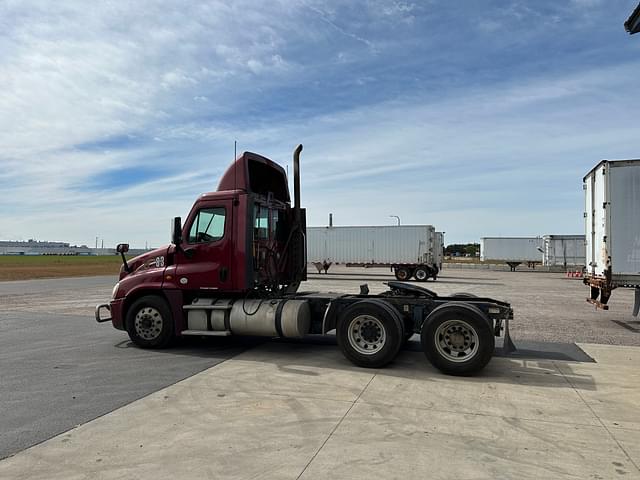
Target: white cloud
[[181, 78]]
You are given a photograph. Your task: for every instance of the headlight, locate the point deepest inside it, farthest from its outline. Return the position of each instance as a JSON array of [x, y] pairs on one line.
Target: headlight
[[115, 291]]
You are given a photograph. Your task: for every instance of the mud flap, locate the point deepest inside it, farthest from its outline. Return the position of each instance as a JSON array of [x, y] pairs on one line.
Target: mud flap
[[508, 345], [636, 303]]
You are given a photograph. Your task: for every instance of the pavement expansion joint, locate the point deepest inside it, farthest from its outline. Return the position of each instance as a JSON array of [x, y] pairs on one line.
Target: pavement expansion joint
[[336, 426], [568, 380]]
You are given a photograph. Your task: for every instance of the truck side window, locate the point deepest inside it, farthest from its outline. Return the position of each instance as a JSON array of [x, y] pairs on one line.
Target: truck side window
[[273, 226], [261, 225], [208, 226]]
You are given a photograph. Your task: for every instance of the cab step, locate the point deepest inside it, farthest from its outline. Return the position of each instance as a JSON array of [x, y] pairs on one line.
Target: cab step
[[208, 333]]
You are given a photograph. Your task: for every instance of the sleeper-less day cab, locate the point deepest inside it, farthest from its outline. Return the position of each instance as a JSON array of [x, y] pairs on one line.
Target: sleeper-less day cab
[[234, 268]]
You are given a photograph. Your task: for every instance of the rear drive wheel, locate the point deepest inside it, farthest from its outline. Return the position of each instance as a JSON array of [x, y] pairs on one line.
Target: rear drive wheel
[[370, 333], [402, 274], [150, 323], [457, 339], [422, 274]]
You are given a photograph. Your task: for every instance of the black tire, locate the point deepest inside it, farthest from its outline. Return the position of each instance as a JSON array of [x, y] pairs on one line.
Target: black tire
[[149, 322], [422, 273], [457, 338], [403, 274], [370, 333]]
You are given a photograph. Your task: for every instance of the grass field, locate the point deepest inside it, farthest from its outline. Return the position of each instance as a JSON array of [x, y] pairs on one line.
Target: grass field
[[45, 266]]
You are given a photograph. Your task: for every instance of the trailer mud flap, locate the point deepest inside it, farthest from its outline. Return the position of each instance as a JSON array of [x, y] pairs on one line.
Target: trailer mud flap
[[636, 303]]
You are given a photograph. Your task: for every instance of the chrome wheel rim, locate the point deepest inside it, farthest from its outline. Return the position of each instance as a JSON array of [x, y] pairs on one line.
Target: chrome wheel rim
[[367, 334], [421, 274], [148, 323], [457, 341]]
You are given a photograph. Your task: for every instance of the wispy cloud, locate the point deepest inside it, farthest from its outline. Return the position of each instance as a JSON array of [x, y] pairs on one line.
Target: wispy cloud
[[472, 117]]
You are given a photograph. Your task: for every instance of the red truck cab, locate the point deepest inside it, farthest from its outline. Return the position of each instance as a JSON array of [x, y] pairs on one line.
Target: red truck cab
[[244, 237]]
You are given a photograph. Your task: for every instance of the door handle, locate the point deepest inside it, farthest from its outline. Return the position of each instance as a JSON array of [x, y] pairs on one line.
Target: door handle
[[224, 273]]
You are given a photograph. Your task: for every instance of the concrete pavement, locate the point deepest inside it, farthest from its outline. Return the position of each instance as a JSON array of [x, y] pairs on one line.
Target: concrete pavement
[[302, 411], [59, 371]]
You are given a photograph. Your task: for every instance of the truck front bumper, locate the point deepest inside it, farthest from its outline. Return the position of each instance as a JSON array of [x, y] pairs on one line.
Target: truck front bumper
[[114, 315], [99, 317]]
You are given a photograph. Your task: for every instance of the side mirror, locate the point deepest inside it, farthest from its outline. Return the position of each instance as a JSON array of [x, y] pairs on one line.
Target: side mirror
[[123, 248], [176, 231]]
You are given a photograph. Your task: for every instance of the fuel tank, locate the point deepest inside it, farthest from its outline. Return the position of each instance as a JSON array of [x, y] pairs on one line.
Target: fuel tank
[[270, 318]]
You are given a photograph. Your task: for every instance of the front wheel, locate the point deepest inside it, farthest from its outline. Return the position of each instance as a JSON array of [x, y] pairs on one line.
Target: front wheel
[[457, 339], [370, 333], [150, 323]]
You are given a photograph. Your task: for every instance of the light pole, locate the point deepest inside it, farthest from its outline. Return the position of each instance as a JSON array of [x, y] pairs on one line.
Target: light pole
[[397, 217]]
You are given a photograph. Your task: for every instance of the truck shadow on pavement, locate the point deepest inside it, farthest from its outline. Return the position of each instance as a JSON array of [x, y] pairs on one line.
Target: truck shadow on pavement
[[200, 347], [533, 365], [527, 367]]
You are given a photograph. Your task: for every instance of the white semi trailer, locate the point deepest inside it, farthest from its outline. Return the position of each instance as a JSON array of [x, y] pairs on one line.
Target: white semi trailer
[[512, 250], [567, 251], [409, 250], [612, 227]]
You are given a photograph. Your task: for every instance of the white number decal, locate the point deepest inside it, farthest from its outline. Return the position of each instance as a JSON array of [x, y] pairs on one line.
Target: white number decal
[[159, 262]]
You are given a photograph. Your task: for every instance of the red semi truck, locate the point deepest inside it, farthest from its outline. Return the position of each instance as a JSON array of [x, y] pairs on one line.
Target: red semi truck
[[234, 267]]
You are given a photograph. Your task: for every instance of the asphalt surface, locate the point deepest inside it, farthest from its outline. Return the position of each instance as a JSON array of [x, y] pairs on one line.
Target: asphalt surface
[[59, 371]]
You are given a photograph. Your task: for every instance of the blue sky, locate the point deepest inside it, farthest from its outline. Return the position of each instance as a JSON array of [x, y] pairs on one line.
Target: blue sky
[[478, 117]]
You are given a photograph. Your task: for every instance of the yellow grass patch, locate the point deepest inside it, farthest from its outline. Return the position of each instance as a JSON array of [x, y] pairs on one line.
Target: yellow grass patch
[[52, 266]]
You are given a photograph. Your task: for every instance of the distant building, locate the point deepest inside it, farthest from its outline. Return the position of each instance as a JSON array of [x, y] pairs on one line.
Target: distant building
[[632, 25], [34, 247]]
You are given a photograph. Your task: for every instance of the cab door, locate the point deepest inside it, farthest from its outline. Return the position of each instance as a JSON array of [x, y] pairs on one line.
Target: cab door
[[204, 259]]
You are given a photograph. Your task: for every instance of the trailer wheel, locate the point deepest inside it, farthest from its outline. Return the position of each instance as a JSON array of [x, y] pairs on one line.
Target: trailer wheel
[[422, 274], [370, 333], [402, 273], [457, 338], [149, 322]]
